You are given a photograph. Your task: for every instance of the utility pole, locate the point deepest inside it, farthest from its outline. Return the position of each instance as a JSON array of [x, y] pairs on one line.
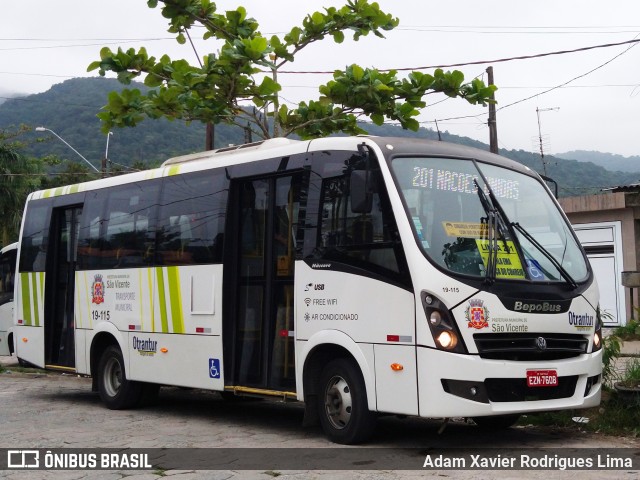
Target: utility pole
[[493, 126], [538, 110], [210, 140]]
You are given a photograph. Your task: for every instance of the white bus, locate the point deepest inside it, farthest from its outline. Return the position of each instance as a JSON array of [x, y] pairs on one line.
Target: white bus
[[358, 275], [7, 273]]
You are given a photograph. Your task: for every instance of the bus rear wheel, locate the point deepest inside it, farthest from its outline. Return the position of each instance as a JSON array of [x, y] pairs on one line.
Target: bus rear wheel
[[343, 408], [115, 390]]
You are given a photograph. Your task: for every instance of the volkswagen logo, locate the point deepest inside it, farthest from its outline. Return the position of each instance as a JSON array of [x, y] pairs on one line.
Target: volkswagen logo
[[541, 343]]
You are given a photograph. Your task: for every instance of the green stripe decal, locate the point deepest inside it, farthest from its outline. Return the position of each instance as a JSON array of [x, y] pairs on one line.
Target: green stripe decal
[[26, 298], [42, 284], [139, 296], [175, 299], [162, 300], [153, 307], [34, 289]]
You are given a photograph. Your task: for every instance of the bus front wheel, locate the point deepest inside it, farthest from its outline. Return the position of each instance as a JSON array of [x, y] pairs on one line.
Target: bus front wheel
[[115, 390], [343, 409]]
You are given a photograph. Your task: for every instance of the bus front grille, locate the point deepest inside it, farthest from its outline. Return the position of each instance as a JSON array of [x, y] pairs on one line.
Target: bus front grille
[[529, 347], [516, 389]]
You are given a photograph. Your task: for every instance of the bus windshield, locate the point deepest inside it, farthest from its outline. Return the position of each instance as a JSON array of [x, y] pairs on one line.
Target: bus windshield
[[510, 230]]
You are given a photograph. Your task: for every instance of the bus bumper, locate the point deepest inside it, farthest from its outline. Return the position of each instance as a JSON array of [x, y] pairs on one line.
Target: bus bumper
[[452, 385]]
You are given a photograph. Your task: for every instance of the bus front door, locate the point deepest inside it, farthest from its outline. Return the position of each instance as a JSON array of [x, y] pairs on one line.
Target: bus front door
[[59, 290], [259, 338]]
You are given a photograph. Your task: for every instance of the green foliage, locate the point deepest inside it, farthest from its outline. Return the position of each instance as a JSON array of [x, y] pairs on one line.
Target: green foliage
[[610, 354], [618, 370], [631, 376], [215, 91], [614, 416], [630, 331], [18, 177]]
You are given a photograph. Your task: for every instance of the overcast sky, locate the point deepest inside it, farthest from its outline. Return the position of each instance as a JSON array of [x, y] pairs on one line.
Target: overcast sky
[[45, 42]]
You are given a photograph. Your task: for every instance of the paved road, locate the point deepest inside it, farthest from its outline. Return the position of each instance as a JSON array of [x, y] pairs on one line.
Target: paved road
[[60, 411]]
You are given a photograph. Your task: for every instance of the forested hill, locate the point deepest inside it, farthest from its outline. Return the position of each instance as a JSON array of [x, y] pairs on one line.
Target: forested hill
[[610, 161], [70, 109]]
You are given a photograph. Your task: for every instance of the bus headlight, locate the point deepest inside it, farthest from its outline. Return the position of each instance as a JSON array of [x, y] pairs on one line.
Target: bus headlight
[[442, 325], [447, 340], [597, 334]]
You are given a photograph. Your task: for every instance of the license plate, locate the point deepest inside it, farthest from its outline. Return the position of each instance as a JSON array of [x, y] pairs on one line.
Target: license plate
[[542, 378]]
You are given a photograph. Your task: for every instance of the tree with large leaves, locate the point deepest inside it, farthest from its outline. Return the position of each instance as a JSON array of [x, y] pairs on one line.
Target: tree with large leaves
[[245, 70]]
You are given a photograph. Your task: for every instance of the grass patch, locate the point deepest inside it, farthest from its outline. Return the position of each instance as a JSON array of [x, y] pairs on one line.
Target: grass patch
[[18, 369], [630, 331], [2, 369], [616, 415]]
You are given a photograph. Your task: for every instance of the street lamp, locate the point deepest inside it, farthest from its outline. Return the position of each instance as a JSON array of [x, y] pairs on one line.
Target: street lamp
[[106, 150], [43, 129], [106, 156]]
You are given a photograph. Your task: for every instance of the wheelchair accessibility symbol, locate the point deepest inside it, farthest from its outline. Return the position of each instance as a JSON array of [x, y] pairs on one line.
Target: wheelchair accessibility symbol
[[214, 368]]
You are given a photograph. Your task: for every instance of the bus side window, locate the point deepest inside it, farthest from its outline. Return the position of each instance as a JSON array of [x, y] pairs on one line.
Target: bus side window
[[89, 241], [118, 229], [7, 268], [191, 218], [35, 236], [367, 240]]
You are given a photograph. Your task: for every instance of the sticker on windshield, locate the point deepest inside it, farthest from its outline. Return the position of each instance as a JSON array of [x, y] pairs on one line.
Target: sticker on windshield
[[420, 231], [465, 229], [508, 263], [534, 269]]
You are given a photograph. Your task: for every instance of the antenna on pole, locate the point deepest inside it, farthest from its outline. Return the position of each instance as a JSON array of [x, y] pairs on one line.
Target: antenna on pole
[[540, 143]]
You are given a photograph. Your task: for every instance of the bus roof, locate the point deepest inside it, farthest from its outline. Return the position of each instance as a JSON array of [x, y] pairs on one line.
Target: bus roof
[[390, 146]]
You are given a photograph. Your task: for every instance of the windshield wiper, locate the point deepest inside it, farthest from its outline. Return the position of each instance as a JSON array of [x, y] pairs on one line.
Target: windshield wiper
[[512, 226], [494, 224], [567, 276]]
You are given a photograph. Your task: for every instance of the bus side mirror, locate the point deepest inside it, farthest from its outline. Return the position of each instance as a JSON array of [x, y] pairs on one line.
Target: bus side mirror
[[361, 196]]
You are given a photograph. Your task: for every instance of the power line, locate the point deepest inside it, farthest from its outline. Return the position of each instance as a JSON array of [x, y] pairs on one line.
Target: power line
[[50, 174], [515, 32], [83, 39], [483, 62], [575, 78], [632, 43], [115, 42], [37, 74], [545, 27]]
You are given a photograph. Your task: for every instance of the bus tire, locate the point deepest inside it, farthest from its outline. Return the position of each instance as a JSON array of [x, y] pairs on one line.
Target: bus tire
[[496, 422], [342, 403], [115, 390]]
